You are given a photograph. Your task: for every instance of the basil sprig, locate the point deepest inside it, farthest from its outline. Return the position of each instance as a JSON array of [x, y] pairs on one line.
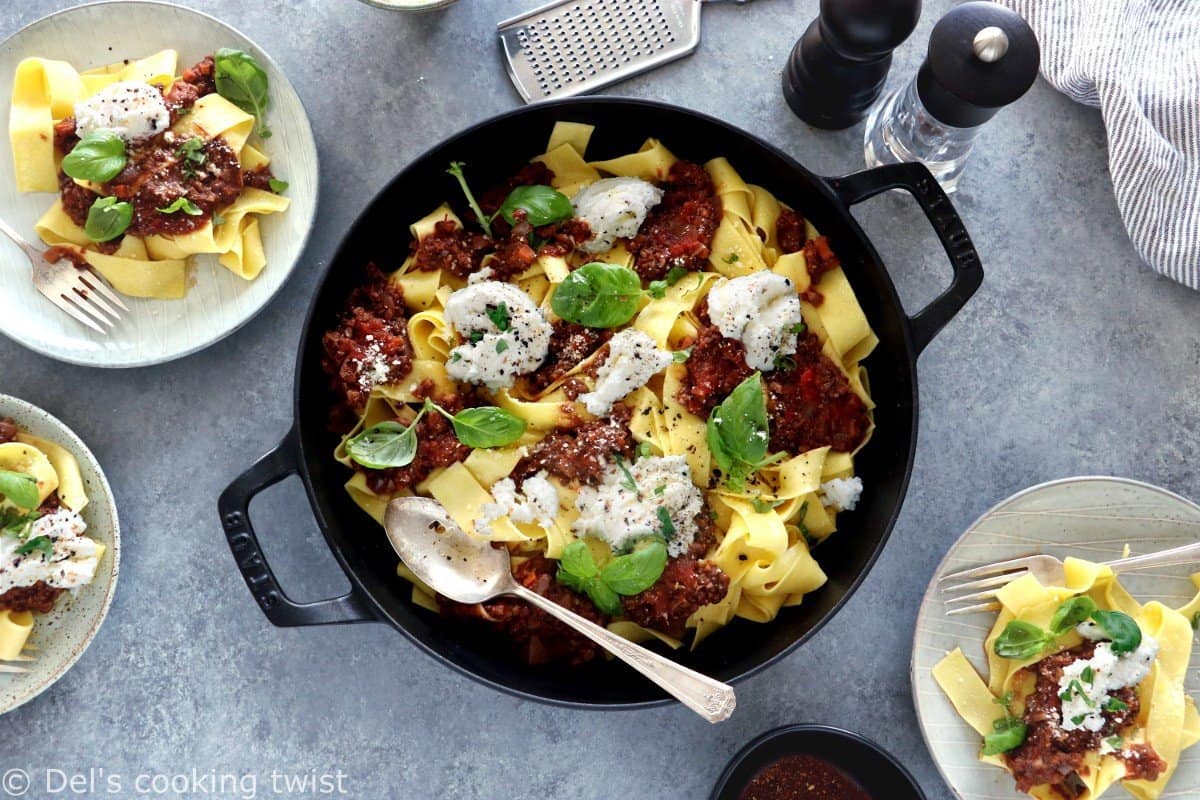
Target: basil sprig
[[1008, 732], [18, 488], [390, 444], [15, 523], [107, 219], [627, 575], [738, 433], [99, 156], [242, 81], [41, 544], [543, 205], [456, 169], [598, 295], [1023, 640]]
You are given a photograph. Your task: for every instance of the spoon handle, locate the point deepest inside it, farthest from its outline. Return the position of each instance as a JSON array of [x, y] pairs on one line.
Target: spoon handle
[[710, 699]]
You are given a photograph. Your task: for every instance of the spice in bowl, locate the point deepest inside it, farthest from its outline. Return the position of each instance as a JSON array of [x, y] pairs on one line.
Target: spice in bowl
[[802, 777]]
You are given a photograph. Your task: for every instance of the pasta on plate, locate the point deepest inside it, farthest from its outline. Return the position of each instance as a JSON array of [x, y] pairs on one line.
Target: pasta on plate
[[151, 168], [43, 550], [1085, 687], [641, 375]]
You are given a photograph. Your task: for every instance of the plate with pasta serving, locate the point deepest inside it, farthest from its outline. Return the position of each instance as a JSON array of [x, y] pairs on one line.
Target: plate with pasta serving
[[1068, 691], [641, 375], [59, 550], [165, 150]]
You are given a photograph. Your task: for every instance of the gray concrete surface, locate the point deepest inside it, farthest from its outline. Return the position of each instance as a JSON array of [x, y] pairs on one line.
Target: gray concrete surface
[[1073, 358]]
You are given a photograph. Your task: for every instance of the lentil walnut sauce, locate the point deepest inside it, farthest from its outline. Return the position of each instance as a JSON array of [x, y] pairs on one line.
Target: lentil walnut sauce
[[574, 451]]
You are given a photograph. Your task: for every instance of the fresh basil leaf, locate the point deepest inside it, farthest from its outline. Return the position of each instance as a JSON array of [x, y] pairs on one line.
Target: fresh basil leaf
[[15, 523], [604, 598], [542, 205], [577, 560], [181, 204], [38, 543], [385, 445], [1070, 613], [242, 81], [1115, 704], [1009, 737], [637, 571], [191, 155], [107, 219], [598, 295], [487, 426], [1125, 634], [19, 489], [738, 432], [1021, 640], [98, 157], [456, 169], [277, 186]]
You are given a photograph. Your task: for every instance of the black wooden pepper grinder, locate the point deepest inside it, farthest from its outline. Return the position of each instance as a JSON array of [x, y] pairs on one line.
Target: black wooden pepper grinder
[[839, 66]]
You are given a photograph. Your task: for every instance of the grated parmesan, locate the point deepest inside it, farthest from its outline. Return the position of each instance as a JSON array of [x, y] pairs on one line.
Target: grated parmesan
[[633, 358], [841, 493], [621, 515], [761, 310], [493, 354]]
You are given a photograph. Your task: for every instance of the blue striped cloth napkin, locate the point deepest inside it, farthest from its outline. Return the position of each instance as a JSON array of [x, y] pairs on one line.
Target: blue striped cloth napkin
[[1138, 61]]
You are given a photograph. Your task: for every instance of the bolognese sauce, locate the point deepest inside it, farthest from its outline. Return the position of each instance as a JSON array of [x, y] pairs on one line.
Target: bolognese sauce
[[679, 230]]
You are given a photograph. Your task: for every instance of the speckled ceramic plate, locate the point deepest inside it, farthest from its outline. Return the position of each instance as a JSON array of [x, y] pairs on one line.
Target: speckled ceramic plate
[[62, 635], [1087, 517], [219, 302]]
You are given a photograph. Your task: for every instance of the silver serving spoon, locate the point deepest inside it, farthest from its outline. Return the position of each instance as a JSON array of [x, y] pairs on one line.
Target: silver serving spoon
[[470, 570]]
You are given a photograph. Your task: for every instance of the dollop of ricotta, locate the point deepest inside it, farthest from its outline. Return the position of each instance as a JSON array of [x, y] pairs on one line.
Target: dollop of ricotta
[[633, 358], [841, 493], [537, 502], [130, 109], [505, 334], [614, 208], [627, 507], [762, 311], [71, 564], [1084, 701]]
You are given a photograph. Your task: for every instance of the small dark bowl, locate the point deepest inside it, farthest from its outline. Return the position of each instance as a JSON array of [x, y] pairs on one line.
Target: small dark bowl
[[877, 772]]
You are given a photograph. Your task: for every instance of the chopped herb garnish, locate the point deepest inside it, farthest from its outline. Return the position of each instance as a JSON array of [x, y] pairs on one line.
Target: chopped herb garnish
[[629, 483], [797, 328], [498, 314], [191, 154], [38, 543], [1088, 675], [1076, 720], [680, 356], [277, 186], [1113, 704], [1115, 742], [456, 169], [476, 337], [184, 205], [658, 490], [762, 506], [14, 523], [644, 450], [664, 519], [784, 362], [732, 258], [501, 346], [456, 356]]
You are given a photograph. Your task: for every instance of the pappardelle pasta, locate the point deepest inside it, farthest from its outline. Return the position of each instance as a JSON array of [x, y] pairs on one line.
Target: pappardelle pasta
[[1085, 687], [150, 168], [640, 375], [43, 550]]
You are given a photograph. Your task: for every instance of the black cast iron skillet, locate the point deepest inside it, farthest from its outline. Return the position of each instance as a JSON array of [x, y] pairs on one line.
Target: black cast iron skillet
[[494, 150]]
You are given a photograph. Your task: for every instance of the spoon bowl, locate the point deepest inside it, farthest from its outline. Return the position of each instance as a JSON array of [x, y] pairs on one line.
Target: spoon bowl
[[468, 569], [439, 552]]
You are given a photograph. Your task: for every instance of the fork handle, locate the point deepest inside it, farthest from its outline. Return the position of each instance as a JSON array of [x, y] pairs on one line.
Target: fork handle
[[32, 252], [709, 698], [1184, 554]]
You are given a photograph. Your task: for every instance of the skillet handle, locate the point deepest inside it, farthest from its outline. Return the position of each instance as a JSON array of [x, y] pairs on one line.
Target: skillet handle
[[920, 183], [234, 506]]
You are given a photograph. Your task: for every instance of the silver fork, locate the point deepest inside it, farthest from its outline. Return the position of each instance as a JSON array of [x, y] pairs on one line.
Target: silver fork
[[980, 584], [80, 292], [9, 667]]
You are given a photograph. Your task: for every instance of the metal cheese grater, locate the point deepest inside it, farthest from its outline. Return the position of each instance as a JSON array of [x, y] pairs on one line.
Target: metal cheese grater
[[574, 46]]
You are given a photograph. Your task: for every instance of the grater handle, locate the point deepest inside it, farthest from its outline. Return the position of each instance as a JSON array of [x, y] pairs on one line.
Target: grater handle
[[917, 180]]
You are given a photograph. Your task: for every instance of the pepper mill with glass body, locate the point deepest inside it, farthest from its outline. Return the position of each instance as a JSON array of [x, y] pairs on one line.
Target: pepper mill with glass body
[[981, 58], [838, 67]]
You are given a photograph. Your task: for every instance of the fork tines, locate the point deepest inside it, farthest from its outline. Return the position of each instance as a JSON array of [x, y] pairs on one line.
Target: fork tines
[[9, 667], [86, 297]]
